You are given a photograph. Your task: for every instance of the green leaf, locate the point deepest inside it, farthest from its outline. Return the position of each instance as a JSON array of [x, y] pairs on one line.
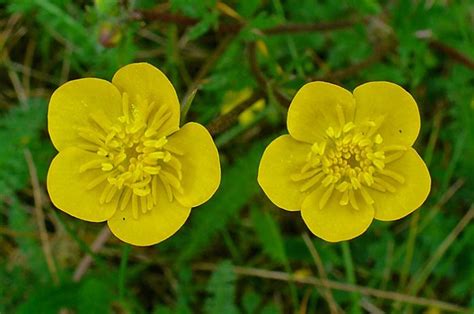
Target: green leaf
[[269, 235], [250, 302], [221, 289], [50, 299], [203, 26], [94, 296]]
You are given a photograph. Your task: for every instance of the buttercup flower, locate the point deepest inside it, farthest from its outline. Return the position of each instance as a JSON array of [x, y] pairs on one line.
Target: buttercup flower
[[348, 158], [123, 158]]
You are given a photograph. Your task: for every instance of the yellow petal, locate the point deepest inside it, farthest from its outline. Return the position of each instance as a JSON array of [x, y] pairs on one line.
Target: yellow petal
[[335, 222], [144, 81], [315, 108], [283, 158], [200, 164], [72, 104], [397, 108], [67, 186], [408, 196], [152, 227]]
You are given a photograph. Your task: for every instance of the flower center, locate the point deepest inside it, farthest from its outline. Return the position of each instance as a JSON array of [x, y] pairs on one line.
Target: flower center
[[134, 155], [350, 161]]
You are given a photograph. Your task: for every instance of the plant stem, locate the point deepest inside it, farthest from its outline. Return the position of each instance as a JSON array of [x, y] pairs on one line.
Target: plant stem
[[123, 270], [350, 275]]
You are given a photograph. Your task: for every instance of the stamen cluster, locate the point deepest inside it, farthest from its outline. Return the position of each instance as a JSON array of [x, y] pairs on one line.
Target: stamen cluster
[[134, 154]]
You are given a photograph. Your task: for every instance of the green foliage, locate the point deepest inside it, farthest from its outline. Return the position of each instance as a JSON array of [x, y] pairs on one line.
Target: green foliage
[[237, 186], [269, 235], [221, 290], [21, 129], [91, 295]]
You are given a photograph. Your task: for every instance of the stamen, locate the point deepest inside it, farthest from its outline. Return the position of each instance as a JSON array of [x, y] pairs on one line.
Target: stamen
[[135, 206], [126, 195], [311, 182], [325, 198], [91, 137], [378, 139], [111, 194], [392, 174], [345, 198], [303, 176], [352, 200], [172, 180], [348, 127], [395, 156], [143, 204], [154, 189], [330, 132], [106, 166], [93, 164], [173, 150], [98, 180], [366, 196], [385, 184], [149, 202], [101, 120], [391, 148], [340, 115], [87, 147], [105, 192], [378, 187], [175, 164], [169, 193], [125, 108]]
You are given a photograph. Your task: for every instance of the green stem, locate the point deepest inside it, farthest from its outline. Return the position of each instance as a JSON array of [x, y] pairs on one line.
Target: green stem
[[350, 275], [123, 270]]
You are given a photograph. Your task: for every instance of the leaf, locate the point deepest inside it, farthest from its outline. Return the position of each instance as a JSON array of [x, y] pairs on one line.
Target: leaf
[[221, 289], [269, 235], [203, 26], [50, 299], [250, 302], [91, 295], [94, 296]]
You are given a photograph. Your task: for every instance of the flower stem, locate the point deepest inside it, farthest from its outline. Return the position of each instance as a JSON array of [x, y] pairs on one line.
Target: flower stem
[[123, 270], [350, 275]]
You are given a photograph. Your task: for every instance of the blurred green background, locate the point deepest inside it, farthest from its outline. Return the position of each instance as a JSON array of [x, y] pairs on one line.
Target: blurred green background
[[238, 253]]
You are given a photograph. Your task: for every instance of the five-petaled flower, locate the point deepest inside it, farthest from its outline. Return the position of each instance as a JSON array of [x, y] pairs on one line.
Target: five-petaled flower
[[348, 158], [123, 158]]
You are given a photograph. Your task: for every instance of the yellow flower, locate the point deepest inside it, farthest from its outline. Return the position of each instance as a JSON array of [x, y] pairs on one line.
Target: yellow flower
[[123, 158], [348, 158], [232, 99]]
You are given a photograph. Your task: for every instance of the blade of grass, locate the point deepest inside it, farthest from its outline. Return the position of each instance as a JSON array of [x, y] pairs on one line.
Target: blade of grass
[[341, 286], [123, 270], [322, 273], [86, 261], [39, 215], [418, 281], [410, 248], [350, 275]]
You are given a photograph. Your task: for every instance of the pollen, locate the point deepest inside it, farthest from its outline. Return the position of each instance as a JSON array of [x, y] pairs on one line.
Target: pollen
[[134, 155], [349, 163]]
